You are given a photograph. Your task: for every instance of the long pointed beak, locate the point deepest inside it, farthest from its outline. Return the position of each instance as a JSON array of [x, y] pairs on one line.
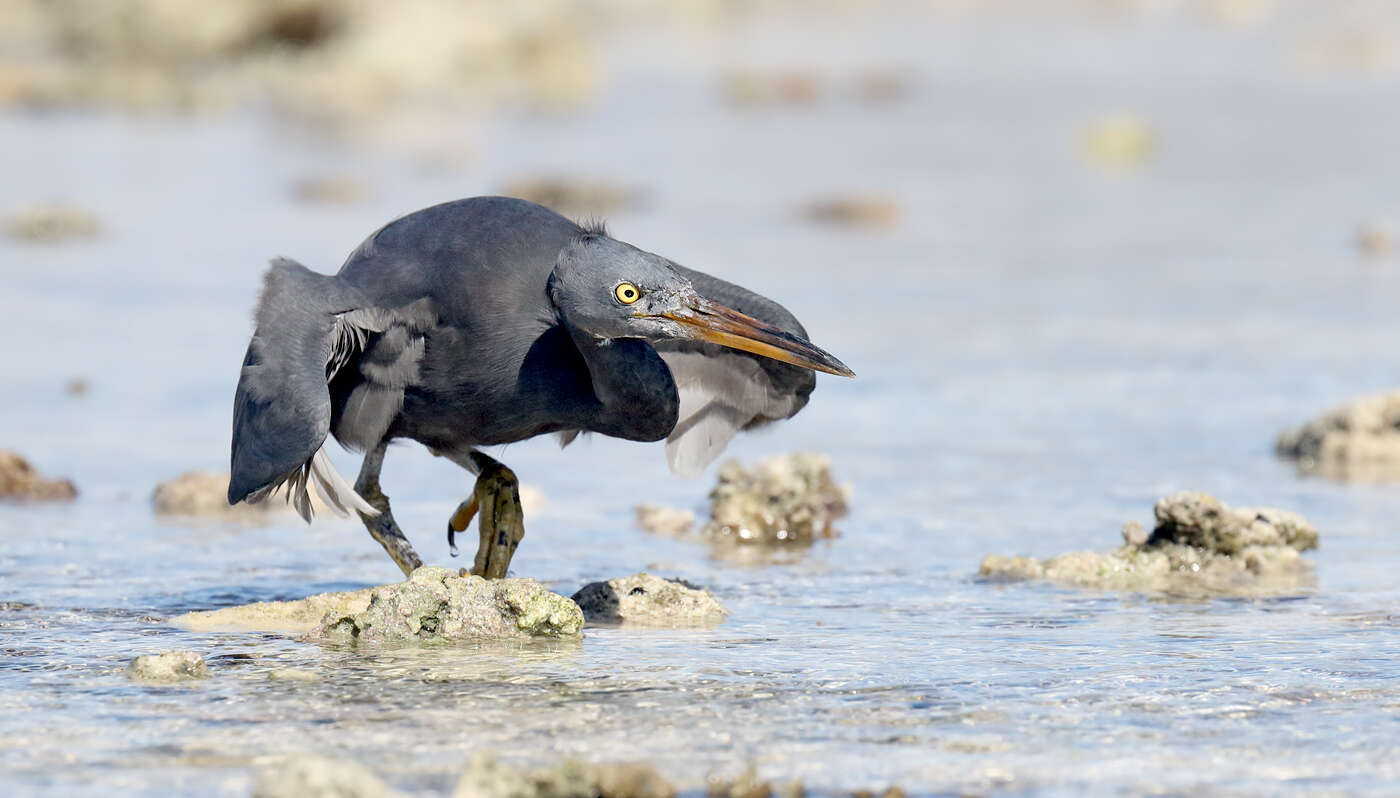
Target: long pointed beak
[[710, 321]]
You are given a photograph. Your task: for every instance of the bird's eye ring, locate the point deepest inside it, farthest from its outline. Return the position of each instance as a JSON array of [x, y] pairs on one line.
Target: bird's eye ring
[[627, 293]]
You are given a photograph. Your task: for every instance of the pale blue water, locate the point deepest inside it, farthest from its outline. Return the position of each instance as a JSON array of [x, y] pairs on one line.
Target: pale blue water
[[1043, 350]]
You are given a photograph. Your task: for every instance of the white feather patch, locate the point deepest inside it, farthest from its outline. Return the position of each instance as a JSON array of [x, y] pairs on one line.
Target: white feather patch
[[719, 395], [333, 489]]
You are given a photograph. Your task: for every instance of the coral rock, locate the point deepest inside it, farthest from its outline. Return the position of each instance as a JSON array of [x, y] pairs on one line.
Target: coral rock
[[646, 599]]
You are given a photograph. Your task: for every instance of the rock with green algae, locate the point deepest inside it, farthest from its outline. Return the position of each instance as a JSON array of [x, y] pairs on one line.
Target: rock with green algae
[[648, 600], [488, 777], [170, 666], [432, 604], [440, 604], [310, 776], [1199, 547]]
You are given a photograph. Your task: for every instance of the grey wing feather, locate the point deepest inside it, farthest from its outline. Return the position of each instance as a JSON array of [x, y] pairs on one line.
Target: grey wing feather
[[309, 327]]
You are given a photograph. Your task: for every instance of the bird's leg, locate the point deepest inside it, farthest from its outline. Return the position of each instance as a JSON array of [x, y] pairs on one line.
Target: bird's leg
[[496, 499], [382, 527]]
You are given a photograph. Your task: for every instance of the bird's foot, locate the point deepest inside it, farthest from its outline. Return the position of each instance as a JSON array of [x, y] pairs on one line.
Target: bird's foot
[[382, 527], [496, 499]]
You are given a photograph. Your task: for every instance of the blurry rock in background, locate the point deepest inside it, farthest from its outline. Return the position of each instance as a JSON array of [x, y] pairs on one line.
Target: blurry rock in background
[[648, 600], [1200, 548], [1367, 51], [52, 223], [331, 190], [1357, 441], [1377, 239], [1240, 14], [77, 387], [789, 500], [19, 482], [869, 212], [204, 494], [882, 86], [576, 198], [663, 520], [353, 62], [746, 87], [1119, 140], [795, 88]]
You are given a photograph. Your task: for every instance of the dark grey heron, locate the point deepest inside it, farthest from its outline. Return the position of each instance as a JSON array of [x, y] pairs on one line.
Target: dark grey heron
[[491, 320]]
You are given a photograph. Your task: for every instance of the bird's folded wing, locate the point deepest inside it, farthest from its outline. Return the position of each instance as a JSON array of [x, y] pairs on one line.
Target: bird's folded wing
[[309, 327]]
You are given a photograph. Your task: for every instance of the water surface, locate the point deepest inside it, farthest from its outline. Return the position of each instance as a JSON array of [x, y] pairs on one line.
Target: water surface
[[1044, 348]]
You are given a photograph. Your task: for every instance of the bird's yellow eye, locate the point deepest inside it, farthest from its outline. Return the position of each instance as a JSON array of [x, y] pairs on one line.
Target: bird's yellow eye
[[627, 293]]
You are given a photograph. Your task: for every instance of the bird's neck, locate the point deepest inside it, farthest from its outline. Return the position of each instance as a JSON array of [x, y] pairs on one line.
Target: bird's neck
[[637, 397]]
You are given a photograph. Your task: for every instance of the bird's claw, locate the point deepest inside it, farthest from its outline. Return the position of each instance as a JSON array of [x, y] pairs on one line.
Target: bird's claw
[[460, 520], [495, 502]]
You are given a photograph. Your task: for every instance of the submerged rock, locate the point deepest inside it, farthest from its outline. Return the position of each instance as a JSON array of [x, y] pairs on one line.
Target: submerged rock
[[20, 482], [650, 600], [439, 604], [310, 776], [172, 666], [488, 777], [1199, 547], [1357, 441], [783, 501]]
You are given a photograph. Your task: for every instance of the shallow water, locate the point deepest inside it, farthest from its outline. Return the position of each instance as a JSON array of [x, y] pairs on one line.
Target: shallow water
[[1044, 348]]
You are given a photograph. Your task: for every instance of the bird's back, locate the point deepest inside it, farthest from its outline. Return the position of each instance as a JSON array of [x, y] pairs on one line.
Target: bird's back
[[474, 248]]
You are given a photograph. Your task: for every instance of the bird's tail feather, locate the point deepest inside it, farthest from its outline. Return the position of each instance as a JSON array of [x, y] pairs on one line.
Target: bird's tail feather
[[320, 474]]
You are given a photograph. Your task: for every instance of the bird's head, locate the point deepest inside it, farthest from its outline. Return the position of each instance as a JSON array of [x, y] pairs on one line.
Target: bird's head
[[609, 289]]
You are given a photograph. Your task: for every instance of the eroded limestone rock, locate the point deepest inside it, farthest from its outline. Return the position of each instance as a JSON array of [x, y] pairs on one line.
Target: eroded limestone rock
[[1357, 441], [20, 482], [1199, 547], [440, 604], [783, 500], [488, 777], [297, 617], [650, 600], [171, 666], [432, 604]]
